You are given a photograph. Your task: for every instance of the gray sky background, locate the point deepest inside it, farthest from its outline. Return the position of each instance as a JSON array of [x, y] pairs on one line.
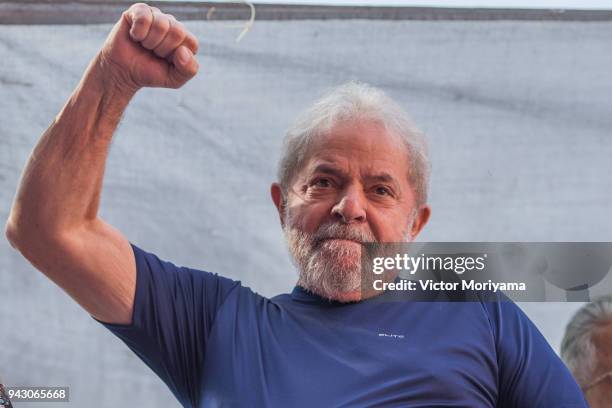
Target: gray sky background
[[555, 4]]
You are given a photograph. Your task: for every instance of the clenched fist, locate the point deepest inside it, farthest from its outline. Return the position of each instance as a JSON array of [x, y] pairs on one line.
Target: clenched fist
[[148, 48]]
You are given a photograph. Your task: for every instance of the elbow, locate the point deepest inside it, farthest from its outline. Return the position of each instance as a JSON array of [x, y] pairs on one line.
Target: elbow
[[15, 234], [14, 226], [18, 233], [33, 236], [12, 233], [17, 237], [28, 240]]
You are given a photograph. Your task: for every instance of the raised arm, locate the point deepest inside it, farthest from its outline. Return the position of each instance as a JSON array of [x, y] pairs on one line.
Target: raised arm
[[54, 219]]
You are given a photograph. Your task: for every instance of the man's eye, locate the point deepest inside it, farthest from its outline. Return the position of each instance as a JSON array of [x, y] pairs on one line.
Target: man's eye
[[382, 191], [322, 183]]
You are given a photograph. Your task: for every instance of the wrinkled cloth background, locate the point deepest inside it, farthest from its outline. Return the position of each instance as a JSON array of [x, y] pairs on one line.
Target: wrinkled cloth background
[[518, 115]]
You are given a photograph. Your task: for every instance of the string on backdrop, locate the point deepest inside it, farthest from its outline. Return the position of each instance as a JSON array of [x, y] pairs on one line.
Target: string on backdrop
[[246, 27]]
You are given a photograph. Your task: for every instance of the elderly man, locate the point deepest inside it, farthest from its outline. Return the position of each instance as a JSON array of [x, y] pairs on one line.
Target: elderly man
[[354, 171], [587, 350]]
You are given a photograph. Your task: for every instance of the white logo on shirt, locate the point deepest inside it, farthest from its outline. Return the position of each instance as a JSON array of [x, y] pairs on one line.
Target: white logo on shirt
[[395, 336]]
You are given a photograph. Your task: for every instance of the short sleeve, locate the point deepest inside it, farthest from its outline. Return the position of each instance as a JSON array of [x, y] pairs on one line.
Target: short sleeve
[[174, 312], [530, 372]]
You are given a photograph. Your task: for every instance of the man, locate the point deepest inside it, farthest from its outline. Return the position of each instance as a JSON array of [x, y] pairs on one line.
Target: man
[[587, 350], [354, 170]]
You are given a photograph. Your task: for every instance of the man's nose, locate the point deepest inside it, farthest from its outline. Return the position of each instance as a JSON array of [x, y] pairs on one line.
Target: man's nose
[[351, 208]]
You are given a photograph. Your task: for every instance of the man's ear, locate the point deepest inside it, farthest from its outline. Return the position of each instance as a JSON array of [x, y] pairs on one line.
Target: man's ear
[[277, 197], [421, 219]]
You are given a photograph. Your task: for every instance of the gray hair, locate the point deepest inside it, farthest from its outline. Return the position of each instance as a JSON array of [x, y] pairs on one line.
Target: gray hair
[[349, 102], [577, 348]]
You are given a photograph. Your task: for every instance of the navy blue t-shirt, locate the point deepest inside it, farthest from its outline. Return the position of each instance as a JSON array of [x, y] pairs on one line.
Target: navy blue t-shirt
[[216, 343]]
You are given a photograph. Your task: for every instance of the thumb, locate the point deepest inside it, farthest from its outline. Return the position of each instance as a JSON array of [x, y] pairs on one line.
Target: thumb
[[184, 66]]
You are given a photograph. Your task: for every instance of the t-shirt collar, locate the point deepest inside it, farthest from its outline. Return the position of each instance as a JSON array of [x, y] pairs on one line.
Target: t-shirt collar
[[301, 294]]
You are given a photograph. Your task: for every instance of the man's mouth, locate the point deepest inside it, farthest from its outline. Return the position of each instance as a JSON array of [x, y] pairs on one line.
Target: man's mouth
[[341, 239]]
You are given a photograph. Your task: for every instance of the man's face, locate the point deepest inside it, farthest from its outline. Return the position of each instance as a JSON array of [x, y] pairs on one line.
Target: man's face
[[353, 188], [600, 394]]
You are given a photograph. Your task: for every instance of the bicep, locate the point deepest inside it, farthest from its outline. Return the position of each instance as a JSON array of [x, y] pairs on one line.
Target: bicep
[[95, 265]]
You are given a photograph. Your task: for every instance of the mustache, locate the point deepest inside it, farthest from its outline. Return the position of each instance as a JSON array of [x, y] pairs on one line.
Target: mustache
[[341, 231]]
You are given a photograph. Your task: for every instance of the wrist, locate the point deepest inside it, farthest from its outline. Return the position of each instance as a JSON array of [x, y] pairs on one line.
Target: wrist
[[109, 82], [98, 102]]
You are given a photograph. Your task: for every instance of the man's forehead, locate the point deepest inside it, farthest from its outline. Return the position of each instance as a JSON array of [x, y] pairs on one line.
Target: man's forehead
[[357, 134], [362, 141], [360, 147]]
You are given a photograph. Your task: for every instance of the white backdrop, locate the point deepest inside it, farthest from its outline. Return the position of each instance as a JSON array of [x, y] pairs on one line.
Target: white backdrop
[[518, 114]]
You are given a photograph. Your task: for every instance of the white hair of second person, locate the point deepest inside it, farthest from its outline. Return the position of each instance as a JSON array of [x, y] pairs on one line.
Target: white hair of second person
[[577, 348], [354, 101]]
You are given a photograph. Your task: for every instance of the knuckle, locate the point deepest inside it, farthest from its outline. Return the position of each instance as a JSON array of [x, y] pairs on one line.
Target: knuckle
[[137, 6], [140, 21], [162, 23], [177, 32], [140, 16], [178, 28]]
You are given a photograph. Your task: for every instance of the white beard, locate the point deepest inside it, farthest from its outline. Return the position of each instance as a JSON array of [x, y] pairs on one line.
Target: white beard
[[332, 267], [328, 267]]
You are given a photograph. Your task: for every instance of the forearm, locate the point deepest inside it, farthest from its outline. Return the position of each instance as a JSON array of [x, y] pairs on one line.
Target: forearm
[[54, 222], [61, 184]]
